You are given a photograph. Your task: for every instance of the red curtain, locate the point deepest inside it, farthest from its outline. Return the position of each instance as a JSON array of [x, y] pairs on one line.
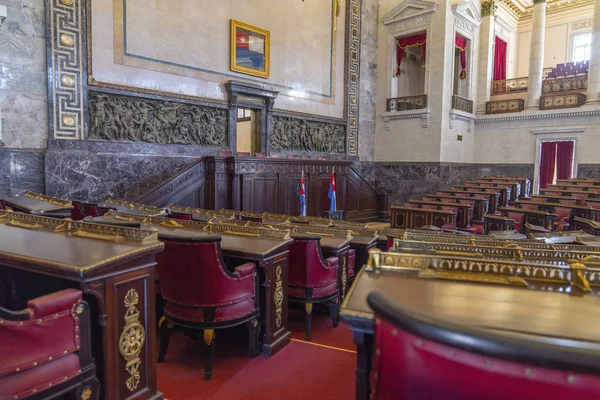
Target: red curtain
[[500, 60], [461, 44], [564, 160], [405, 43], [547, 164]]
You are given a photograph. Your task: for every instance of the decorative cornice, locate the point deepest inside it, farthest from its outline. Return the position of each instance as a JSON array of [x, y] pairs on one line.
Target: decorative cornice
[[423, 114], [538, 1], [546, 115], [523, 9]]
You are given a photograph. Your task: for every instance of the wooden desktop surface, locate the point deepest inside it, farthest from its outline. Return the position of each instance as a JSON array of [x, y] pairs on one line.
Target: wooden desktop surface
[[498, 307], [66, 254], [30, 204]]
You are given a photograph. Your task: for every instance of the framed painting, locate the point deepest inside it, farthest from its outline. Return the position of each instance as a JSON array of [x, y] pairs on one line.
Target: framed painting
[[250, 49]]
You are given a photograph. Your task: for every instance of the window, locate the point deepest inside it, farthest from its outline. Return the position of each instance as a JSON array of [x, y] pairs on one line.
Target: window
[[582, 45]]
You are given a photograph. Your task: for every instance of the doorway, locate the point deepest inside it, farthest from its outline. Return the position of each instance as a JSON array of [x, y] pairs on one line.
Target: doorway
[[557, 161], [247, 132]]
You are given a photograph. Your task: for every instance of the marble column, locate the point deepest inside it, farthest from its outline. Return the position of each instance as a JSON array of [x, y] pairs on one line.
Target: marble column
[[594, 72], [536, 54], [485, 72]]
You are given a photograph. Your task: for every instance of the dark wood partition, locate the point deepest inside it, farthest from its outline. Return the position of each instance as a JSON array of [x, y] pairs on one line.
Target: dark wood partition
[[269, 185]]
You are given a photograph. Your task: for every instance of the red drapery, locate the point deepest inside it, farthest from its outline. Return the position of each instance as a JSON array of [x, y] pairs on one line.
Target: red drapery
[[564, 160], [461, 44], [405, 43], [500, 60], [547, 164]]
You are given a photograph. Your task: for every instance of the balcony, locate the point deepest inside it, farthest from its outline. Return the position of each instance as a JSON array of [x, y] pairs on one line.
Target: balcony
[[462, 104], [504, 106], [407, 103], [567, 84], [507, 86], [559, 101]]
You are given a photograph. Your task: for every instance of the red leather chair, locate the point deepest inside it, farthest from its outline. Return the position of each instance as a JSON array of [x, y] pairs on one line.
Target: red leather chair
[[561, 223], [313, 279], [77, 213], [517, 217], [419, 358], [45, 349], [201, 294]]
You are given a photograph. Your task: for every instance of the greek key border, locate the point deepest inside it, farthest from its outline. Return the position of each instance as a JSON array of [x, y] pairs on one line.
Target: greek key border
[[352, 74], [65, 38]]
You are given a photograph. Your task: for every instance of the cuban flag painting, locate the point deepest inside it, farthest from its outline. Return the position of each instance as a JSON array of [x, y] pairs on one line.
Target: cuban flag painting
[[331, 195], [250, 50], [302, 197]]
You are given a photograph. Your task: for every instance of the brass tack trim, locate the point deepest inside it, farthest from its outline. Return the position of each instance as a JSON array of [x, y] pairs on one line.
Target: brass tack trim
[[17, 369], [572, 379], [35, 364], [528, 371], [395, 332]]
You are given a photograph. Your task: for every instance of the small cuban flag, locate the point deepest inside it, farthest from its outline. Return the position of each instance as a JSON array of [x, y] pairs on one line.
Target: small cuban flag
[[302, 198], [331, 194], [250, 50]]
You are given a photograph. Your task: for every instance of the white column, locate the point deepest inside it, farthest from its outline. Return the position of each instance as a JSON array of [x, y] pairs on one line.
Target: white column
[[594, 72], [485, 72], [536, 54]]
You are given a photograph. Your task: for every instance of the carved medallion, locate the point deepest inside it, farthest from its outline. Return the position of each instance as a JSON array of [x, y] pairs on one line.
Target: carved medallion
[[132, 339], [278, 297]]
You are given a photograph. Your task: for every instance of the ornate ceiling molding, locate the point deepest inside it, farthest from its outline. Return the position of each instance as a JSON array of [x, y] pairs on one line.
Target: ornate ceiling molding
[[524, 8]]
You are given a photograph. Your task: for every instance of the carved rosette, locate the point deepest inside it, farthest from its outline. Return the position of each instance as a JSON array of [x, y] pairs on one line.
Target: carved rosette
[[278, 297], [132, 339]]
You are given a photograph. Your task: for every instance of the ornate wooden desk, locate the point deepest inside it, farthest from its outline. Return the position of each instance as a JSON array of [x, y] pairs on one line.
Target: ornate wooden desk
[[35, 203], [444, 293], [532, 217], [114, 266], [408, 218], [269, 249], [464, 211], [492, 194], [586, 225], [480, 203]]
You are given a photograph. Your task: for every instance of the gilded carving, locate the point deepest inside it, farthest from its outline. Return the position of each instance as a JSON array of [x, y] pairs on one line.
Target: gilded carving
[[123, 118], [86, 394], [300, 135], [344, 275], [278, 297], [488, 8], [132, 339], [209, 336]]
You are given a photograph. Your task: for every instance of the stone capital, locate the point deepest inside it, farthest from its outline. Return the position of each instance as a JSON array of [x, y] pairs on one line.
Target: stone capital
[[488, 8]]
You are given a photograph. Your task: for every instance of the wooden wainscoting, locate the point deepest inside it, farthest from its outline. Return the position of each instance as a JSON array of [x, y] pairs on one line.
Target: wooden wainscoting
[[269, 185]]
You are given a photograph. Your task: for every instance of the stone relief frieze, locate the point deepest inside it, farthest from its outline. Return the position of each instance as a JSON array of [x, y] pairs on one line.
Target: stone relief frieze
[[301, 135], [124, 118], [399, 27], [586, 23], [465, 24]]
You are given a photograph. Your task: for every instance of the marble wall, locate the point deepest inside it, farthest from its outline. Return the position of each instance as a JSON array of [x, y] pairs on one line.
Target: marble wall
[[368, 80], [97, 170], [406, 181], [21, 171], [23, 92], [588, 171]]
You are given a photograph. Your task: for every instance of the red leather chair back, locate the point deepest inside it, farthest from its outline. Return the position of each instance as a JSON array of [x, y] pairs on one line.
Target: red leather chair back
[[307, 266], [194, 273], [529, 206], [419, 358], [77, 213], [180, 215], [563, 214]]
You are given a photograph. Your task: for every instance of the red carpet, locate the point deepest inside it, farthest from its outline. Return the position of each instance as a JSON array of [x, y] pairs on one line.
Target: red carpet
[[299, 371]]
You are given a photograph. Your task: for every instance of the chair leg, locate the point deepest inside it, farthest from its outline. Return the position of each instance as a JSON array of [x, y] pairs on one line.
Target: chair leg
[[334, 311], [308, 318], [164, 337], [253, 328], [209, 338]]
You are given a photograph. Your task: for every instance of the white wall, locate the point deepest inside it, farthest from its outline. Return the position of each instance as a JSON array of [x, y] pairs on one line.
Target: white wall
[[560, 29]]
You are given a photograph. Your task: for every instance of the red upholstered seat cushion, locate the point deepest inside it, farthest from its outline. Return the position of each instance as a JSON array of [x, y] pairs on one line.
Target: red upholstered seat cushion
[[40, 378], [222, 313]]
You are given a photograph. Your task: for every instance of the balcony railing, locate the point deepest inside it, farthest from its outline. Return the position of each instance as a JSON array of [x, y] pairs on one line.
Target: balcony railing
[[546, 71], [504, 106], [407, 103], [509, 86], [462, 104], [578, 82], [558, 101]]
